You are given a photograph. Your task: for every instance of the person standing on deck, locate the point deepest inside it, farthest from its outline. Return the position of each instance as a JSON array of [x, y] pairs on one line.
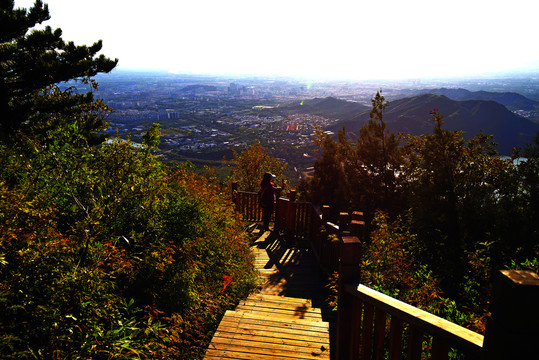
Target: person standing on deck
[[268, 196]]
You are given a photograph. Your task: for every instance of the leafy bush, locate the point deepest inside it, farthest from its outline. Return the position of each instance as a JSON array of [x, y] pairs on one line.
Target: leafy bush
[[106, 253], [390, 265]]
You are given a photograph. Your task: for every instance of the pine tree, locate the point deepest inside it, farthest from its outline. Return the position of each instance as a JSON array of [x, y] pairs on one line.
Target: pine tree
[[328, 179], [32, 62], [378, 152]]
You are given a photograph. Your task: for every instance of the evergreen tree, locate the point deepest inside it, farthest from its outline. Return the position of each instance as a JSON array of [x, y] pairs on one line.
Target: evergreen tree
[[529, 173], [378, 153], [469, 206], [328, 178], [361, 174], [31, 64], [434, 172]]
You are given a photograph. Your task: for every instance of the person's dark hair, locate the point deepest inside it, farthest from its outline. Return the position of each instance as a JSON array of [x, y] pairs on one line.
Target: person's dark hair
[[266, 180]]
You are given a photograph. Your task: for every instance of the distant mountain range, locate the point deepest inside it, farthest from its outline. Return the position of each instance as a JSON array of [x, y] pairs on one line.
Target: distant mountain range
[[511, 100], [411, 115]]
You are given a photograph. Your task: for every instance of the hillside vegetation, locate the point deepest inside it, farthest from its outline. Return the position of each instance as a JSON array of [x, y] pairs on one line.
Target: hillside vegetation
[[104, 251], [442, 211]]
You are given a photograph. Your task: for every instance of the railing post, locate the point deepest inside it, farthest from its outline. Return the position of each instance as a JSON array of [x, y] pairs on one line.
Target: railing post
[[513, 330], [292, 195], [291, 214], [323, 240], [357, 215], [326, 212], [315, 197], [349, 272], [278, 216], [313, 229], [343, 221]]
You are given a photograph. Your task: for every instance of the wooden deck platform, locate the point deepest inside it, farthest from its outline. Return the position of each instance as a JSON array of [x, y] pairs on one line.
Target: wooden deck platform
[[284, 320]]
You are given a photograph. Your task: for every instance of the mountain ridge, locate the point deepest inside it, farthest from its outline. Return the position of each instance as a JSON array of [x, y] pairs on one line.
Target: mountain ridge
[[513, 101], [411, 115]]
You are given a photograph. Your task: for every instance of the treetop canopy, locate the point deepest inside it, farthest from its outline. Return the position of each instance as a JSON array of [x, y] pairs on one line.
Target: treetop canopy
[[31, 62]]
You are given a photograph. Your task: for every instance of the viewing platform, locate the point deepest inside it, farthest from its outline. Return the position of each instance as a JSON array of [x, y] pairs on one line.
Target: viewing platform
[[285, 320]]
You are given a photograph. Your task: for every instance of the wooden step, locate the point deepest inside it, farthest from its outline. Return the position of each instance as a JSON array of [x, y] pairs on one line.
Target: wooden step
[[272, 338], [250, 336], [213, 354], [303, 314], [281, 315], [280, 335], [279, 299], [279, 307], [303, 307], [233, 318], [261, 351]]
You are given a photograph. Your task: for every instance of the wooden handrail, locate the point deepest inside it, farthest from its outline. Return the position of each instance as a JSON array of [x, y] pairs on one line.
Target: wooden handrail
[[454, 335], [362, 312]]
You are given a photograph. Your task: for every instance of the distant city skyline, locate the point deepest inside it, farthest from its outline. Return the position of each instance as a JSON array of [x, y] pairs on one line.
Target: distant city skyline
[[336, 39]]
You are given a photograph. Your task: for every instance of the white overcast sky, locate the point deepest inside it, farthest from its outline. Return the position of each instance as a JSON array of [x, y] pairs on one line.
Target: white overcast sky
[[353, 39]]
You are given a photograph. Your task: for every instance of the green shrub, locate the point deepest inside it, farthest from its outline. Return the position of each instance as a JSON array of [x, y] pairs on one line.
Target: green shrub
[[106, 253]]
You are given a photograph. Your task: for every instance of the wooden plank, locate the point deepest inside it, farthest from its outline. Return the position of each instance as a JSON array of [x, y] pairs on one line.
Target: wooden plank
[[367, 333], [305, 346], [304, 339], [265, 317], [289, 332], [279, 298], [270, 306], [291, 352], [267, 323], [227, 354], [379, 333], [395, 338], [307, 339], [278, 322], [300, 311], [279, 314], [415, 343], [355, 332]]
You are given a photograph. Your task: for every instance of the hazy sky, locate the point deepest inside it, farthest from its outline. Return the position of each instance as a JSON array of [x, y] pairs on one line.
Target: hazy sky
[[353, 39]]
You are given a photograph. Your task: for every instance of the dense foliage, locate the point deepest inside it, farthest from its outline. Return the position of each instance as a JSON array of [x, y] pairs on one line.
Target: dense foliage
[[107, 254], [365, 172], [31, 64], [249, 166], [444, 213], [104, 251]]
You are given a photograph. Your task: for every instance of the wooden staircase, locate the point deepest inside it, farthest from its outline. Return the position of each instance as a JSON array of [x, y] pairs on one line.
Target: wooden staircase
[[268, 325]]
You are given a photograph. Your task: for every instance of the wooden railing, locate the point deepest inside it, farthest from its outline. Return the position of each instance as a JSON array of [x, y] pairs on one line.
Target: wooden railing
[[296, 219], [371, 325], [247, 204], [363, 315]]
